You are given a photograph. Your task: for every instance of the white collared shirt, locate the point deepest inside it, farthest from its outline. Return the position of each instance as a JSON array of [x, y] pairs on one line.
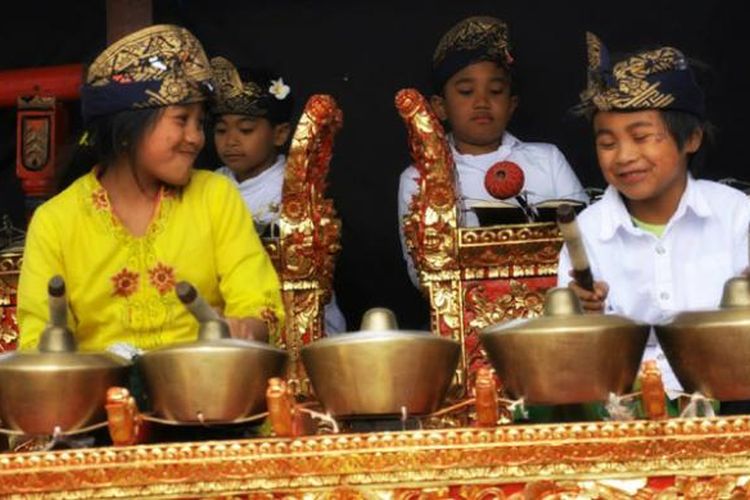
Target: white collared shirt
[[262, 195], [650, 279], [547, 176]]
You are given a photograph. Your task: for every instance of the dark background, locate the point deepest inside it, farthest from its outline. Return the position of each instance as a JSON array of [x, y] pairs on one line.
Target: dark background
[[362, 53]]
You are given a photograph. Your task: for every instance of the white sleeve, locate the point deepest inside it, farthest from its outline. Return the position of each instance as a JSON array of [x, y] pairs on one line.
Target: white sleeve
[[566, 182], [741, 226], [406, 189], [335, 322], [563, 268]]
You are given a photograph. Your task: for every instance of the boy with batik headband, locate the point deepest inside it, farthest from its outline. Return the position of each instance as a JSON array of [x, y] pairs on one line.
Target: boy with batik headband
[[659, 241], [475, 95], [252, 125]]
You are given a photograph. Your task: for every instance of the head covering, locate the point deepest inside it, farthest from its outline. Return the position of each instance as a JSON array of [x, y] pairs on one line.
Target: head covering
[[475, 39], [258, 96], [156, 66], [653, 79]]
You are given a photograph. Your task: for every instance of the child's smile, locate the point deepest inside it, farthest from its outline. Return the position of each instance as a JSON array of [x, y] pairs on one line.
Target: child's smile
[[640, 158]]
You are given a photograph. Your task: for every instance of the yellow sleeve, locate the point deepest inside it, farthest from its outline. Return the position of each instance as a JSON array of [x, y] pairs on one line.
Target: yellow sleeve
[[247, 279], [42, 259]]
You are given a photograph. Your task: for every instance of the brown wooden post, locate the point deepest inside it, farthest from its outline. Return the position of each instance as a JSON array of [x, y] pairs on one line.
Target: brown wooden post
[[127, 16]]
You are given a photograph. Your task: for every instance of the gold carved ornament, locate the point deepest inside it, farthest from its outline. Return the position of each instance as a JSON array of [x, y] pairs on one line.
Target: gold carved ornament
[[10, 266], [706, 455], [431, 224], [309, 231]]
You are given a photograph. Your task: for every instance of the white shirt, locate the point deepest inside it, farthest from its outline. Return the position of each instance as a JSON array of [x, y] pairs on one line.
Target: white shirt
[[650, 279], [547, 176], [262, 195]]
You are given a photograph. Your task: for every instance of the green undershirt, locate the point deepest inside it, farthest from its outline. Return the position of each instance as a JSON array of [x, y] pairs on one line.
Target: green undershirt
[[655, 229]]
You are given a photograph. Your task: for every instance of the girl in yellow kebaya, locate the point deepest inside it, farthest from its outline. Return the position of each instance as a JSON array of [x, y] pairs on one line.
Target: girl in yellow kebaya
[[123, 234]]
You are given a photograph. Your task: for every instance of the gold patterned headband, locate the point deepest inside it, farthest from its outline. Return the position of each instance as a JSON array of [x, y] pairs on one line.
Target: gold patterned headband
[[653, 79], [156, 66], [267, 99], [478, 38]]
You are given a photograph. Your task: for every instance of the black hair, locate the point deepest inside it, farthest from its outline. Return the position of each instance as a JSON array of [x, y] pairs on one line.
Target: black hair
[[105, 139], [511, 70], [681, 126], [280, 111]]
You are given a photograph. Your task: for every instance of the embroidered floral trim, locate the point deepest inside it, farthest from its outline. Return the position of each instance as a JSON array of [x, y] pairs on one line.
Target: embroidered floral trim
[[99, 199], [125, 283], [162, 277], [168, 192], [96, 196]]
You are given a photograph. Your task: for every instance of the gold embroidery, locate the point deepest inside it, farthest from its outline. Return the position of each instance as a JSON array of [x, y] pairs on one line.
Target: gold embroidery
[[169, 55], [630, 88], [233, 96], [145, 310], [478, 32]]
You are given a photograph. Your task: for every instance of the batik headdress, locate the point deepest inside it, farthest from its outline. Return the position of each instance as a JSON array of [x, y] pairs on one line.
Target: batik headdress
[[475, 39], [257, 97], [653, 79], [156, 66]]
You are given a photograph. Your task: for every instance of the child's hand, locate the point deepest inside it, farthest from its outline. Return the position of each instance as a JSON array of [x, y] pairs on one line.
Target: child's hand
[[248, 329], [592, 302]]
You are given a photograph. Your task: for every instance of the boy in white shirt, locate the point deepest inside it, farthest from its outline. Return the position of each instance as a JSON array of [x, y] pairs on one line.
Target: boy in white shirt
[[252, 125], [659, 241], [475, 96]]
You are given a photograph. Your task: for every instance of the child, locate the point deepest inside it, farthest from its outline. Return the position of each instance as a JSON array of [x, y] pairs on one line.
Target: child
[[659, 241], [252, 124], [122, 235], [476, 95]]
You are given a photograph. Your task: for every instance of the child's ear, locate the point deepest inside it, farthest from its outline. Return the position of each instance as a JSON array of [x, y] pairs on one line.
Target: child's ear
[[281, 134], [438, 106], [694, 142]]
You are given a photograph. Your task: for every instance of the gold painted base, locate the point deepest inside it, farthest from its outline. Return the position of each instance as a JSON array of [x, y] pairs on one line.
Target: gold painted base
[[409, 464]]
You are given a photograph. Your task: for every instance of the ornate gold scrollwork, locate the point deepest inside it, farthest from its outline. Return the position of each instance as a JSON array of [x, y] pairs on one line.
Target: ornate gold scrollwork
[[308, 243]]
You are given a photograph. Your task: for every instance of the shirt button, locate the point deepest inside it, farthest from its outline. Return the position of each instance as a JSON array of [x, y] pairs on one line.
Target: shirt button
[[664, 296], [660, 250]]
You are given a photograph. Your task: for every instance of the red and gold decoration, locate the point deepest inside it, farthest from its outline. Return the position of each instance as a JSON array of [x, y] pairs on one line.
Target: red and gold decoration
[[42, 123], [472, 276], [305, 251], [11, 256], [680, 458]]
